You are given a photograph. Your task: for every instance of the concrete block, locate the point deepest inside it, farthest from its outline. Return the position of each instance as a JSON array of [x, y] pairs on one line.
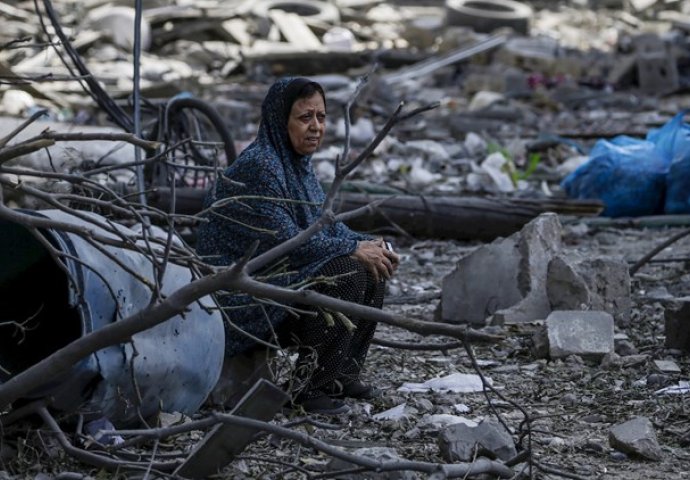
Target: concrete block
[[506, 279], [577, 283], [587, 334]]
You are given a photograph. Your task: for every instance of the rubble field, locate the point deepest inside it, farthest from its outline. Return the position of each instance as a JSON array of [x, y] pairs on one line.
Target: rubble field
[[519, 105]]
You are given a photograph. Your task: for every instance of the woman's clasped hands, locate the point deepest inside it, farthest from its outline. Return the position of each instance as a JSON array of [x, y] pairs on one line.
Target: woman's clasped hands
[[377, 258]]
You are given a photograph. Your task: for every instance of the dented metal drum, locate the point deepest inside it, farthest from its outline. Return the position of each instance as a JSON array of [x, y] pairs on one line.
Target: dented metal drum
[[170, 367]]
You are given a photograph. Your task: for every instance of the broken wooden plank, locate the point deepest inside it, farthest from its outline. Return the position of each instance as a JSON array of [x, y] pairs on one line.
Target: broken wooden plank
[[238, 30], [295, 31], [224, 442], [426, 67]]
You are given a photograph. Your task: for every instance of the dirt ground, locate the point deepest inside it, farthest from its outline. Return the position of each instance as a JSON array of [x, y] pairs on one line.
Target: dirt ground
[[572, 403]]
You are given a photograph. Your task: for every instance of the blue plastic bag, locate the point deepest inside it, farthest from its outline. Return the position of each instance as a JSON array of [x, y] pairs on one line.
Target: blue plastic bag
[[678, 177], [678, 186], [631, 175]]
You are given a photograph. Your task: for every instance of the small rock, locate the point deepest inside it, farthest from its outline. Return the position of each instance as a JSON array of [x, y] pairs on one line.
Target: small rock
[[594, 418], [658, 380], [569, 399], [594, 446], [611, 361], [625, 348], [460, 443], [424, 405], [617, 456], [636, 437], [667, 366], [557, 443]]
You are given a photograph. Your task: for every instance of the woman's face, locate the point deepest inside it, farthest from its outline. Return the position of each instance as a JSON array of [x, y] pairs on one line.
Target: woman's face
[[307, 124]]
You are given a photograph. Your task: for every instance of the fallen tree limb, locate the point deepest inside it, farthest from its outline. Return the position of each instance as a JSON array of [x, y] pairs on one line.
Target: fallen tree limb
[[448, 217], [456, 470]]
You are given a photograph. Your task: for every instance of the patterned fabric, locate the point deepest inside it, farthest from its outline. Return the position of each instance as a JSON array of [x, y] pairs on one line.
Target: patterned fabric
[[330, 352], [281, 196]]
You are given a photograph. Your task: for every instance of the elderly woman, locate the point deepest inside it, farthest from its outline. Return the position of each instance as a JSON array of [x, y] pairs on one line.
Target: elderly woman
[[280, 197]]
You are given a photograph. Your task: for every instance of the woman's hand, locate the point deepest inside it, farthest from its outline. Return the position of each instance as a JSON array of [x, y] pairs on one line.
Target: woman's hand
[[374, 255]]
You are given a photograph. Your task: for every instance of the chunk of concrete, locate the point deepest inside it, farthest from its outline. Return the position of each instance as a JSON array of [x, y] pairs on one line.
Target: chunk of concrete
[[636, 437], [577, 283], [677, 324], [573, 332], [459, 442], [506, 279]]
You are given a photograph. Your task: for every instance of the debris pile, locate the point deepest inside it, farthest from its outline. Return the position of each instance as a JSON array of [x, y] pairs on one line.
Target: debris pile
[[520, 100]]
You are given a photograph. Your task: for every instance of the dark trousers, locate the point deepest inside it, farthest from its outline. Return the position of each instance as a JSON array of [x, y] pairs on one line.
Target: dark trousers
[[328, 351]]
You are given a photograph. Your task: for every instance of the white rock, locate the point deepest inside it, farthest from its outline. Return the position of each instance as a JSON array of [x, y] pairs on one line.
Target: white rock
[[493, 166], [484, 99], [444, 419], [340, 39], [16, 102], [475, 144], [456, 382], [395, 413]]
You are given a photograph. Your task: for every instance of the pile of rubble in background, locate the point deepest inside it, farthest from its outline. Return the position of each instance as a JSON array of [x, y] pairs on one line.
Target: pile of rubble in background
[[523, 92]]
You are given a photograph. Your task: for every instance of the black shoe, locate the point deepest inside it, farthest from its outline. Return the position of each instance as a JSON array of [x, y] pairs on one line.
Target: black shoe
[[322, 404], [356, 389]]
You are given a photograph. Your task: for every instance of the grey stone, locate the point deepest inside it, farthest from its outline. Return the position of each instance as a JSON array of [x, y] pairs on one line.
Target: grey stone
[[677, 325], [577, 283], [636, 437], [505, 279], [587, 334], [667, 366], [380, 454], [658, 380], [625, 348], [458, 442]]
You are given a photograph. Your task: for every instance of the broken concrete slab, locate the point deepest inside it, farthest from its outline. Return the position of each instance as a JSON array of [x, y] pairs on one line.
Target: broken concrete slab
[[575, 283], [636, 437], [462, 442], [506, 279], [572, 332]]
